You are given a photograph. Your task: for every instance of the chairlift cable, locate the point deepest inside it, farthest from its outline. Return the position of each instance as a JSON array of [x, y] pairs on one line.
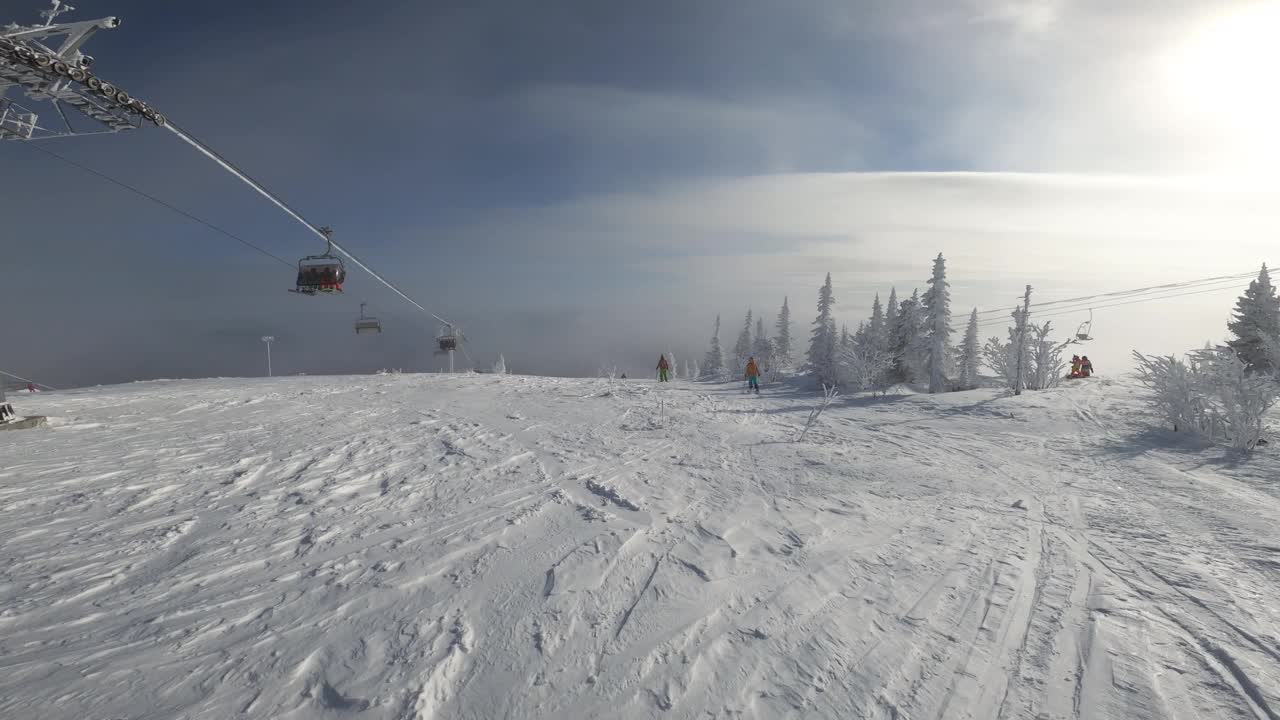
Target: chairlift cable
[[161, 203], [27, 380], [1055, 313], [231, 168], [1126, 293]]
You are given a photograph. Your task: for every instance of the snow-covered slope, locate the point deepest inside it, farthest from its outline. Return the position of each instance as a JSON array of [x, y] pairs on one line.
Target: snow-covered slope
[[489, 547]]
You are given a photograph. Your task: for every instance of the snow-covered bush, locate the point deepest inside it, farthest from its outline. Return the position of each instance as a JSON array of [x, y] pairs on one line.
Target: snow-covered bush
[[1042, 364], [863, 365], [1211, 393], [1047, 365]]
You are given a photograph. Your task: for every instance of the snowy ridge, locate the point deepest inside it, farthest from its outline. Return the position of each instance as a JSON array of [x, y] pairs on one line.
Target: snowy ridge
[[409, 547]]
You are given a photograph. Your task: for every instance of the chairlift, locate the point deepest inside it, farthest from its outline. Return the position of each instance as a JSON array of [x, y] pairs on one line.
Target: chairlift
[[1086, 327], [321, 273], [447, 340], [367, 324]]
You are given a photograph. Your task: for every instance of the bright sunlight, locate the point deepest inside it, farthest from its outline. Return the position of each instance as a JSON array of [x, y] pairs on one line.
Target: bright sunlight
[[1223, 74]]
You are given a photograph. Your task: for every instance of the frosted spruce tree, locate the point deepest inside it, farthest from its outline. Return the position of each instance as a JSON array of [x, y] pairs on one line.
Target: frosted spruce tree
[[713, 364], [821, 362], [675, 365], [907, 343], [936, 305], [875, 327], [782, 350], [970, 355], [1256, 325], [500, 367], [762, 347], [890, 324], [742, 348]]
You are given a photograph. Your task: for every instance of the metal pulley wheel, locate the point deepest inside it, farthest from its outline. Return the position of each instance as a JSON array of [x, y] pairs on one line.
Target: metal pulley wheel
[[42, 60], [94, 83], [107, 90], [159, 120], [24, 53], [78, 75], [123, 98], [62, 68]]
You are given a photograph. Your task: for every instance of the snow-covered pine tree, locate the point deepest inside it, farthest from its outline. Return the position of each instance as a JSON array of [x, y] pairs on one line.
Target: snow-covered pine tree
[[782, 349], [821, 361], [887, 334], [500, 367], [969, 355], [675, 364], [1256, 325], [762, 347], [742, 348], [713, 364], [845, 338], [697, 371], [937, 321], [908, 341], [875, 327]]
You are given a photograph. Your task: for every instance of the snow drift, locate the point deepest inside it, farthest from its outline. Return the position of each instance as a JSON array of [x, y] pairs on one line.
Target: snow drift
[[489, 546]]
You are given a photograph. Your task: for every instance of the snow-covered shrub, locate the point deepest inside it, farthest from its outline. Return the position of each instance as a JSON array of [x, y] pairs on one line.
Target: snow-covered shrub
[[864, 365], [1042, 364], [1211, 393], [1047, 365]]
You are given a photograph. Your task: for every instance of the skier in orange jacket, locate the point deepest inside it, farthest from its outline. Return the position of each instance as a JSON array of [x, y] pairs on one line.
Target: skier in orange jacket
[[753, 375]]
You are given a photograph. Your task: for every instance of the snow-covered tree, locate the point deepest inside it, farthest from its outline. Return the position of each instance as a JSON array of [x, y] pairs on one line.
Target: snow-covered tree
[[1002, 357], [967, 363], [1046, 367], [762, 347], [875, 327], [742, 348], [500, 367], [822, 342], [783, 353], [845, 338], [675, 365], [907, 343], [713, 364], [890, 316], [1042, 363], [936, 305], [1211, 393], [697, 371], [1256, 325], [865, 363]]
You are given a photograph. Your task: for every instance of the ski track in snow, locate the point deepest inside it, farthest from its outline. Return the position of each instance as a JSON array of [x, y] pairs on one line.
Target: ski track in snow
[[414, 547]]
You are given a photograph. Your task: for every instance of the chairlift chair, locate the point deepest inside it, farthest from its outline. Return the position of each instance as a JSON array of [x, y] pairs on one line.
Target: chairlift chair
[[321, 273], [367, 324], [1086, 327], [448, 341]]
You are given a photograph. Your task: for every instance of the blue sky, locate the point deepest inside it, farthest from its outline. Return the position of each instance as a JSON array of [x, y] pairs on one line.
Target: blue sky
[[582, 183]]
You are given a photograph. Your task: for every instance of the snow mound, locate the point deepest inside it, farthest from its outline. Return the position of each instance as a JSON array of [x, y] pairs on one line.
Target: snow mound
[[407, 546]]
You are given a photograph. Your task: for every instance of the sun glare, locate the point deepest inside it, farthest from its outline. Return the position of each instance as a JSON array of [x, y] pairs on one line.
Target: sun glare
[[1225, 73]]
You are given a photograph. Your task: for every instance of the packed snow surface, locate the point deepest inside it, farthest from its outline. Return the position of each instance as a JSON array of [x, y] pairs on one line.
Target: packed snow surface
[[488, 547]]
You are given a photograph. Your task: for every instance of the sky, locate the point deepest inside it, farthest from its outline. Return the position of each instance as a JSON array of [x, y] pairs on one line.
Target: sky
[[582, 185]]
